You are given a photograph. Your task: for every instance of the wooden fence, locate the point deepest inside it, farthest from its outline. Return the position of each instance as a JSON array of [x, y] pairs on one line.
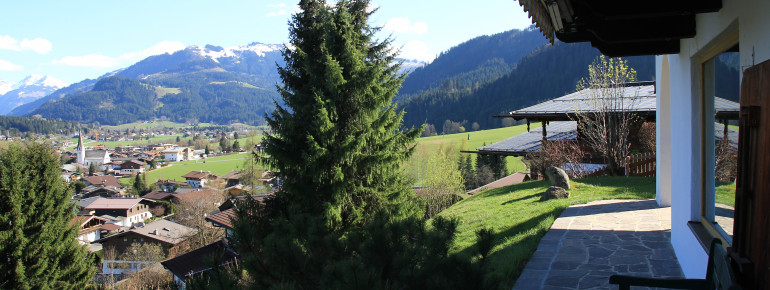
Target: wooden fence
[[642, 164]]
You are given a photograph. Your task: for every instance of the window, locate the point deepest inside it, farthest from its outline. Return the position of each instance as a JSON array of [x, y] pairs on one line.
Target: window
[[720, 98]]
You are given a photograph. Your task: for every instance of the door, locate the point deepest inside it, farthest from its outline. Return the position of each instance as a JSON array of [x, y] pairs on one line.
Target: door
[[750, 250]]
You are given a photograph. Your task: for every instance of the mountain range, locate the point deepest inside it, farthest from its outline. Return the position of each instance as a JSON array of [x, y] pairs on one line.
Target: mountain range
[[466, 84], [29, 89]]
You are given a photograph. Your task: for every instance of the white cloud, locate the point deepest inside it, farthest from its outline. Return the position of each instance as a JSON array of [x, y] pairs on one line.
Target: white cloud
[[90, 60], [9, 66], [159, 48], [39, 45], [404, 25], [418, 50], [99, 61], [277, 13]]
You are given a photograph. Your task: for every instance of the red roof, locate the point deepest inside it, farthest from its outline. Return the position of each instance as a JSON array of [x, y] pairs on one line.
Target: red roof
[[110, 227], [224, 218], [103, 180], [193, 194]]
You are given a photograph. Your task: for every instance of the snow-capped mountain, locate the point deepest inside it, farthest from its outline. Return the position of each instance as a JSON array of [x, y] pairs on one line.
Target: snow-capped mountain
[[217, 52], [409, 65], [5, 87], [29, 89]]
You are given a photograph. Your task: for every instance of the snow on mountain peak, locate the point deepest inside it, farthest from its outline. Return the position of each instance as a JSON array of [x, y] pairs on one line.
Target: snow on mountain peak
[[39, 80], [217, 52], [5, 87]]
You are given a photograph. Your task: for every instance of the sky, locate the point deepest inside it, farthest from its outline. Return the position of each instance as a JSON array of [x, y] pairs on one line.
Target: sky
[[79, 39]]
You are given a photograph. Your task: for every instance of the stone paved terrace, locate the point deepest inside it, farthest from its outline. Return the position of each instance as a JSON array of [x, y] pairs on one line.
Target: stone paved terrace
[[590, 242]]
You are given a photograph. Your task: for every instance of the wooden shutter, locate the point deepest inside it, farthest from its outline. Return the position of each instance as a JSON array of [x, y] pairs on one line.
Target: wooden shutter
[[751, 244]]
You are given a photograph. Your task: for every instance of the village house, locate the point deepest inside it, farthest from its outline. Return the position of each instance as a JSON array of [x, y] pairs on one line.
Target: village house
[[169, 235], [199, 178], [102, 180], [559, 123], [175, 154], [128, 210], [697, 45], [89, 227], [131, 167]]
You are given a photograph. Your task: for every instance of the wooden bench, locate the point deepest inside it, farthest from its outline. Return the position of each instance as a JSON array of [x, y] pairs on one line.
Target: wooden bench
[[718, 275]]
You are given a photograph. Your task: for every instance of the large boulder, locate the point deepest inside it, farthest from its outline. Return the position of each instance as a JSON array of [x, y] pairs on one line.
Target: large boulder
[[558, 177], [554, 192]]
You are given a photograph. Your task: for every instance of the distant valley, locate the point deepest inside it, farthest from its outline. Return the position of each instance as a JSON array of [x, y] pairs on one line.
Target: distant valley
[[465, 85]]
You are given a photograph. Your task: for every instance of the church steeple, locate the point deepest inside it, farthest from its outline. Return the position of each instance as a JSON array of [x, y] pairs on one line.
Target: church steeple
[[80, 149]]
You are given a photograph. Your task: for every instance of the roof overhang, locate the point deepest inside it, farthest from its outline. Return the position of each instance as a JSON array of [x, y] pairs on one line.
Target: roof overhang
[[620, 29]]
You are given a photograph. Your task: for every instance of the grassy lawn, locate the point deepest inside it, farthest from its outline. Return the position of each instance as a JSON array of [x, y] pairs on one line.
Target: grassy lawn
[[473, 140], [219, 165], [725, 193], [519, 220]]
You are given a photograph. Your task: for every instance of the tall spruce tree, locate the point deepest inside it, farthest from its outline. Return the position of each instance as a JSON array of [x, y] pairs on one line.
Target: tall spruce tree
[[338, 140], [38, 243], [345, 217]]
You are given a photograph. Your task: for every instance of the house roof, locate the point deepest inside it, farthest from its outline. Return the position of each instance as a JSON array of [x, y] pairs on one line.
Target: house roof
[[87, 201], [94, 188], [527, 142], [201, 259], [233, 175], [198, 175], [95, 154], [189, 195], [113, 203], [132, 164], [636, 28], [223, 218], [531, 141], [174, 149], [110, 227], [158, 195], [162, 230], [163, 182], [638, 98], [103, 180]]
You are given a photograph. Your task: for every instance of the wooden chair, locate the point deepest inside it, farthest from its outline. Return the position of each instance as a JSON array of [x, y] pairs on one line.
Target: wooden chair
[[718, 275]]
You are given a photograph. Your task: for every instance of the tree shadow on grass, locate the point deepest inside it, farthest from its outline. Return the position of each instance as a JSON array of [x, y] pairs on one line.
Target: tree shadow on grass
[[527, 185], [522, 198]]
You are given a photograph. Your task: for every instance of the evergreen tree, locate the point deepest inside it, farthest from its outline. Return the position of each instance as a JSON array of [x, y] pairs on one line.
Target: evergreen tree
[[338, 139], [91, 169], [38, 243], [207, 150], [338, 145], [140, 185], [236, 146], [223, 144], [235, 135]]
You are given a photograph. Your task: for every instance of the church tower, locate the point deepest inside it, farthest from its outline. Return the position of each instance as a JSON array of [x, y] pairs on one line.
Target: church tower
[[80, 149]]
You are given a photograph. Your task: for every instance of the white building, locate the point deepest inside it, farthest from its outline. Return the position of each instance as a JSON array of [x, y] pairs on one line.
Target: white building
[[175, 154], [705, 49]]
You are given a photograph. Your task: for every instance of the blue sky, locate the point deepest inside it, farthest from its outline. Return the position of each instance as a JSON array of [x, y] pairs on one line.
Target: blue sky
[[79, 39]]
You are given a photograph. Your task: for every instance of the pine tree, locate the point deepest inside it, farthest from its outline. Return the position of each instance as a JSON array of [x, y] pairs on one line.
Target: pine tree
[[207, 150], [38, 243], [91, 169], [338, 139], [140, 185], [236, 146]]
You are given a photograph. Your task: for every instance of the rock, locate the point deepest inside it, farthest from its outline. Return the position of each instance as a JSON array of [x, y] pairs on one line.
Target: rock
[[554, 192], [558, 177]]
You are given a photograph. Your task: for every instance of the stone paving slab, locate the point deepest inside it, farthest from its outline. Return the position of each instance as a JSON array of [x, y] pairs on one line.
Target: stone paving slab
[[590, 242]]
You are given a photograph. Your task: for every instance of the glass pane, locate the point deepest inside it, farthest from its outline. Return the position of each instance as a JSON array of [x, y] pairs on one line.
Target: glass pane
[[721, 79]]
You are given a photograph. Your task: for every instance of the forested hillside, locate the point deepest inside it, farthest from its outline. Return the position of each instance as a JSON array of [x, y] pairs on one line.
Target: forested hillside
[[475, 61], [15, 126], [546, 73], [215, 97]]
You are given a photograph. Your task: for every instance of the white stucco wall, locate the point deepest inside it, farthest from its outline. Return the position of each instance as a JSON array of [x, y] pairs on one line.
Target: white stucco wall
[[752, 19]]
